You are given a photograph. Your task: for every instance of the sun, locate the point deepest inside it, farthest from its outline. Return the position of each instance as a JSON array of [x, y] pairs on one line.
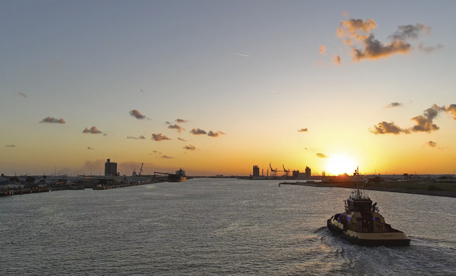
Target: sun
[[340, 164]]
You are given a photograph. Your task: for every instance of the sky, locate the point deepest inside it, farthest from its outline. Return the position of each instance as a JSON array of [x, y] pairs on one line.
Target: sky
[[215, 87]]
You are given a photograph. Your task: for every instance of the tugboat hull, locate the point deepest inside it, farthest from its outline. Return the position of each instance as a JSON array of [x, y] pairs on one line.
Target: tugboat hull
[[396, 238]]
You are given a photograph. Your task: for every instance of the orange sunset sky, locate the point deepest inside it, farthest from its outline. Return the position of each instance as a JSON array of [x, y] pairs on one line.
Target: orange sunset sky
[[215, 87]]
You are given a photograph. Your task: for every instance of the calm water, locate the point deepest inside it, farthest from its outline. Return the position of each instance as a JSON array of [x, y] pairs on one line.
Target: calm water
[[215, 227]]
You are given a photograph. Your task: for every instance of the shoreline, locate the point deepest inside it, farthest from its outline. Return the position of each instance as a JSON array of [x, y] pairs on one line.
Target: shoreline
[[419, 188]]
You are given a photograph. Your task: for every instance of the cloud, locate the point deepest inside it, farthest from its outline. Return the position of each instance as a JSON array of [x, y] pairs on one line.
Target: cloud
[[385, 127], [302, 130], [364, 45], [393, 104], [135, 138], [159, 137], [156, 152], [166, 157], [429, 49], [410, 31], [135, 113], [92, 130], [215, 134], [451, 110], [345, 14], [323, 50], [197, 131], [425, 123], [89, 148], [337, 60], [321, 155], [22, 94], [177, 127], [241, 55], [10, 146], [353, 27], [178, 138], [181, 121], [53, 120], [431, 144], [189, 147]]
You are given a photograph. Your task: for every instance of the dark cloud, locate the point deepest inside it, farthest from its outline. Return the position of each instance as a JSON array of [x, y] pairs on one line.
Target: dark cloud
[[135, 113], [364, 45], [53, 120], [393, 104], [431, 144], [89, 148], [302, 130], [181, 121], [22, 94], [177, 127], [178, 138], [92, 130], [166, 157], [135, 138], [215, 134], [189, 147], [10, 146], [374, 49], [321, 155], [429, 49], [198, 131], [168, 123], [425, 123], [385, 127], [451, 110], [156, 152], [159, 137]]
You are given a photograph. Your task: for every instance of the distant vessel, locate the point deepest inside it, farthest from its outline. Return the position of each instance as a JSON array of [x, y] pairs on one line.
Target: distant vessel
[[178, 176], [362, 224]]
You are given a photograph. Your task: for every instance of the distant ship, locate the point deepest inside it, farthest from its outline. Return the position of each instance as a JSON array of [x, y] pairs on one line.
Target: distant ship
[[362, 224], [178, 176]]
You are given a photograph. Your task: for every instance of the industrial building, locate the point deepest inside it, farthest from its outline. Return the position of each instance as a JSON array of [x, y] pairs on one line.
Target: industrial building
[[110, 168]]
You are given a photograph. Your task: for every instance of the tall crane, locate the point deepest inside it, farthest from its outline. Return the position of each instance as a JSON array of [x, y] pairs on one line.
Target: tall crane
[[285, 170], [140, 170], [273, 172]]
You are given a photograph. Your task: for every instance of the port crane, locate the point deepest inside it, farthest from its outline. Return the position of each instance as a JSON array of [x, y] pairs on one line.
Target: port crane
[[141, 169], [285, 170], [273, 172]]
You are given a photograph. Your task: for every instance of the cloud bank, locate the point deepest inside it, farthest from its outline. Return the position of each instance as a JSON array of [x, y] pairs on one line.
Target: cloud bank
[[423, 123], [357, 34]]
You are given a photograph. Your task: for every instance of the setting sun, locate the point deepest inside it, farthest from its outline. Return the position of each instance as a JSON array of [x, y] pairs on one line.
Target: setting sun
[[340, 164]]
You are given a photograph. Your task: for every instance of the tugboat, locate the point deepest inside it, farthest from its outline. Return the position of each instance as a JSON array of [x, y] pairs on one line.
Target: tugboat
[[362, 224], [178, 176]]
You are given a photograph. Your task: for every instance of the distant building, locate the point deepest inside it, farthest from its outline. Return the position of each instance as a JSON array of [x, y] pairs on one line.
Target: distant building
[[110, 168], [308, 172], [256, 170]]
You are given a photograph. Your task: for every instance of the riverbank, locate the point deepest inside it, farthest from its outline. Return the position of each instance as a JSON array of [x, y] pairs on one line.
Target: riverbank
[[422, 188]]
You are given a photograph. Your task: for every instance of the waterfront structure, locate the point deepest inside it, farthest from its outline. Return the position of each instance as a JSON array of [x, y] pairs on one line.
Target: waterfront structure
[[256, 170], [308, 172], [110, 168]]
